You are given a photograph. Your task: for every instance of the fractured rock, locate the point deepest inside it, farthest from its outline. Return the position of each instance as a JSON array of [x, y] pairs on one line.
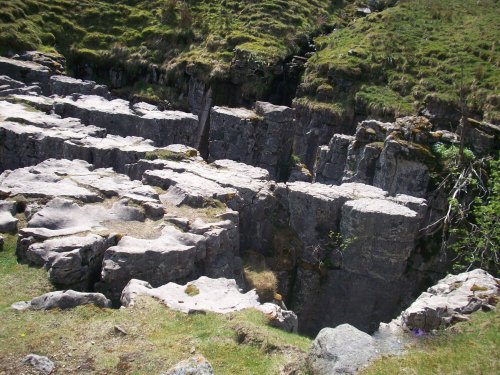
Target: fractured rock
[[261, 138], [214, 295], [209, 295], [25, 71], [8, 223], [173, 256]]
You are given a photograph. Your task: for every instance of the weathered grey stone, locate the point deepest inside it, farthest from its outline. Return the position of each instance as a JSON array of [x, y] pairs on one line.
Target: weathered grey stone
[[65, 86], [451, 298], [117, 117], [8, 223], [72, 262], [40, 363], [340, 350], [280, 318], [48, 136], [261, 138], [66, 299], [381, 236], [25, 71], [215, 295], [401, 171], [197, 365], [331, 160], [1, 243], [174, 256]]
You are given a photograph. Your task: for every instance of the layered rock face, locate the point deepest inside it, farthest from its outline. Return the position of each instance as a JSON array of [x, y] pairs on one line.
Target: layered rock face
[[394, 157], [356, 241], [262, 137]]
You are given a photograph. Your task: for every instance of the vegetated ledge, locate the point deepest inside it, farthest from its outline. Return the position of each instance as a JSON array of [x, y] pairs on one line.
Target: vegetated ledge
[[418, 56], [147, 47]]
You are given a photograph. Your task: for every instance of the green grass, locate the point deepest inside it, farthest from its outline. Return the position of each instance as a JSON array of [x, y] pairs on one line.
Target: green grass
[[467, 348], [202, 37], [393, 62], [84, 339]]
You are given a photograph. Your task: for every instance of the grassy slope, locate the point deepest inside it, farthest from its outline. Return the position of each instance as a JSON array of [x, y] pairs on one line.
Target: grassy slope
[[83, 339], [205, 36], [392, 62], [467, 348]]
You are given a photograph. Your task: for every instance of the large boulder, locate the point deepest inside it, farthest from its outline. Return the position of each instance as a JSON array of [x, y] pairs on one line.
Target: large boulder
[[341, 350]]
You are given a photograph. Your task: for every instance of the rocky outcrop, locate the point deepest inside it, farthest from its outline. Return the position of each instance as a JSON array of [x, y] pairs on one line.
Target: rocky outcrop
[[76, 211], [30, 137], [26, 71], [261, 138], [67, 299], [331, 160], [393, 156], [121, 118], [209, 295], [65, 86], [451, 300], [355, 241], [346, 350]]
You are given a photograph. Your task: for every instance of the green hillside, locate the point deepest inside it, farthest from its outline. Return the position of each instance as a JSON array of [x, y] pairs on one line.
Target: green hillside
[[404, 58]]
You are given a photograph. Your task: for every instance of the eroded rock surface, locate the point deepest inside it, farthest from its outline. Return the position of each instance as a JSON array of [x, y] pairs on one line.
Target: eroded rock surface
[[197, 365]]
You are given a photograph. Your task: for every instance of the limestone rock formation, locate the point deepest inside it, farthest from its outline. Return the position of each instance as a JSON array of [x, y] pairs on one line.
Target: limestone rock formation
[[261, 138], [67, 299], [65, 86], [451, 299], [393, 156], [213, 295], [120, 118], [8, 223], [26, 71]]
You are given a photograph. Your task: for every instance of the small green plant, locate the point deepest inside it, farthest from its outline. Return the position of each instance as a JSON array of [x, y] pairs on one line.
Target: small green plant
[[192, 290], [334, 250]]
